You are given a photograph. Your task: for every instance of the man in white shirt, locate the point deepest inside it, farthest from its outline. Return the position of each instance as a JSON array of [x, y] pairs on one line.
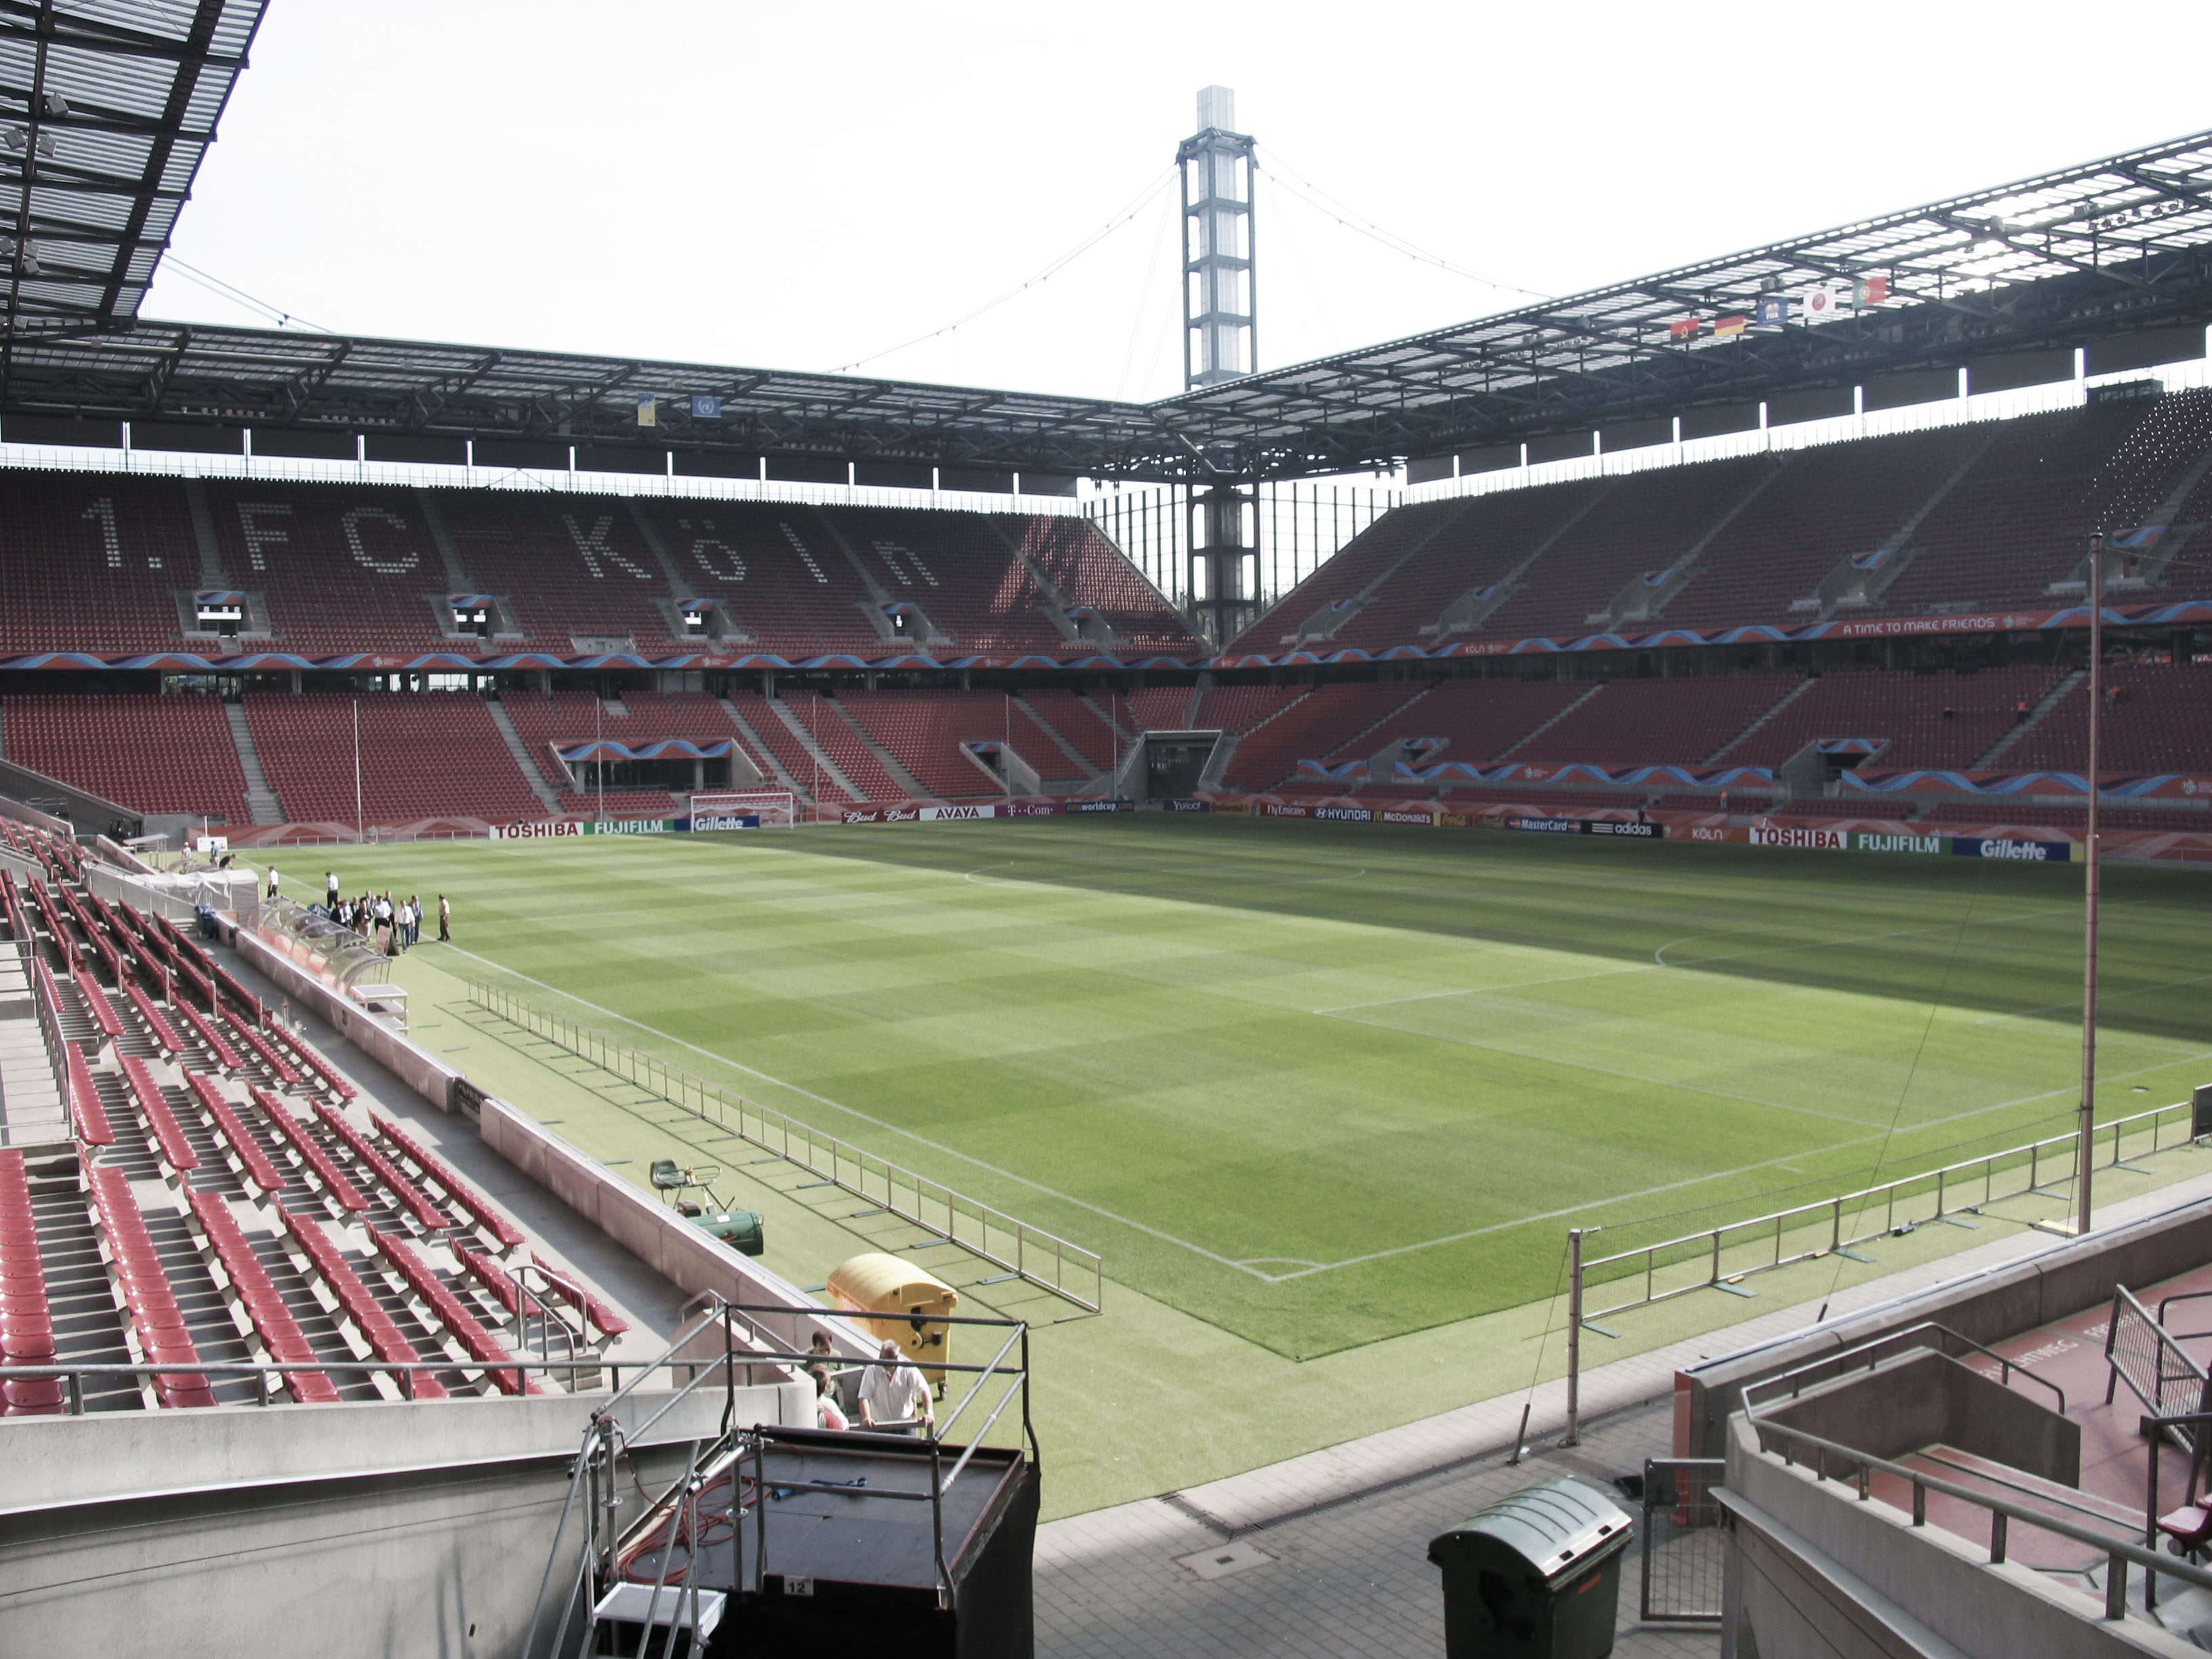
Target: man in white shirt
[[894, 1394]]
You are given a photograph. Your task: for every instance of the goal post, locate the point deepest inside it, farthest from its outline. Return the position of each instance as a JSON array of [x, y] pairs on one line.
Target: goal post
[[770, 806]]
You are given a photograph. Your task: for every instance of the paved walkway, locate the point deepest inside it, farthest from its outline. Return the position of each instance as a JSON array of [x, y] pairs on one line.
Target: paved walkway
[[1326, 1555]]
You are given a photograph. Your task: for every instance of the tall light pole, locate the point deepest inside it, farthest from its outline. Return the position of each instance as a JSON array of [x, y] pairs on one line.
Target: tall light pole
[[2090, 904]]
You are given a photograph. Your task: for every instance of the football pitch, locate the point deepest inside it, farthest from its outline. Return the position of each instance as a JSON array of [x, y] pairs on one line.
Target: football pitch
[[1325, 1084]]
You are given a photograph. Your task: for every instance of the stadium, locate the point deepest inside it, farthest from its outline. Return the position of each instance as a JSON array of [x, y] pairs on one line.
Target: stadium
[[660, 1007]]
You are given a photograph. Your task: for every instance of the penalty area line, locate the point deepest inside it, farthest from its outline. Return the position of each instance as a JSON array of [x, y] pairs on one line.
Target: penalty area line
[[880, 1123]]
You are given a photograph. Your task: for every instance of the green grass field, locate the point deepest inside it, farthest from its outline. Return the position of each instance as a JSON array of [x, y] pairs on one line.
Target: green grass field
[[1321, 1085]]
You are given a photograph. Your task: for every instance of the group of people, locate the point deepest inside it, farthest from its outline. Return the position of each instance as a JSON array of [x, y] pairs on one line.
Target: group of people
[[392, 925], [894, 1397]]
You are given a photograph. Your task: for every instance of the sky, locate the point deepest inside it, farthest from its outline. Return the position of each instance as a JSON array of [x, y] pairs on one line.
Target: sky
[[816, 187]]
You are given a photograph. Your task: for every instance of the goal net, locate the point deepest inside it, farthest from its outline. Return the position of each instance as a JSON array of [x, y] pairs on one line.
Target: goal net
[[769, 805]]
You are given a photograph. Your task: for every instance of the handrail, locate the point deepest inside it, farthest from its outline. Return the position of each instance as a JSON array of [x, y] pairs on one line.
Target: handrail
[[2154, 1430], [2164, 1346], [1868, 1347], [1882, 1199], [604, 1436], [2183, 1296], [1076, 1275], [2117, 1553]]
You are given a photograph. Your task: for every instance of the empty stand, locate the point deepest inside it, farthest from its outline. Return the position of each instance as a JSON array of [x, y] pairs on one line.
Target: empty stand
[[1475, 719], [421, 755], [1837, 501], [2019, 520], [925, 730], [1642, 524], [1480, 545], [1679, 722], [1942, 719], [2157, 718], [152, 754], [1317, 724]]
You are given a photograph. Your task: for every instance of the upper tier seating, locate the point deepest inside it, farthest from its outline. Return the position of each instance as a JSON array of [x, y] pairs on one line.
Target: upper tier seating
[[1678, 722], [429, 755], [2157, 718], [1479, 546], [1359, 562], [1939, 720], [1831, 502], [1642, 524], [2014, 521], [108, 562], [152, 754], [2018, 520], [1090, 570]]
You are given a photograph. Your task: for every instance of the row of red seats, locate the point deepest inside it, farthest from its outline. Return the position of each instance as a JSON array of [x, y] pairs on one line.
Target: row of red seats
[[27, 1322], [116, 562]]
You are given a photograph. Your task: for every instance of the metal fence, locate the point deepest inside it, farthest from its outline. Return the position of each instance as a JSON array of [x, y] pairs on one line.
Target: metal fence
[[1720, 1255], [1683, 1543], [1051, 1263], [2153, 1364]]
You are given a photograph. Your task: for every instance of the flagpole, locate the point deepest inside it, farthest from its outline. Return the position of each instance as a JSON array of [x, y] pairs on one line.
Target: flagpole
[[2089, 890], [598, 755], [360, 819]]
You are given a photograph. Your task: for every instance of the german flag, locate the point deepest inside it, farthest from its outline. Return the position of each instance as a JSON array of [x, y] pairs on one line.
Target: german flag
[[1727, 327]]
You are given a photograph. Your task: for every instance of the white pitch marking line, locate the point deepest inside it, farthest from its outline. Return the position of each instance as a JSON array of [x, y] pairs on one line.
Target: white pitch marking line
[[1720, 1174], [919, 1141], [1659, 960], [1608, 1071], [2103, 996]]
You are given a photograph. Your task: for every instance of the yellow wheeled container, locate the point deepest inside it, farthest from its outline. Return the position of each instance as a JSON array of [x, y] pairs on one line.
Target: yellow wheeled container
[[894, 1298]]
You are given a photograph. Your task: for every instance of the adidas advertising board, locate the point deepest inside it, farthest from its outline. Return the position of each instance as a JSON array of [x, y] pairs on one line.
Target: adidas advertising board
[[1643, 831]]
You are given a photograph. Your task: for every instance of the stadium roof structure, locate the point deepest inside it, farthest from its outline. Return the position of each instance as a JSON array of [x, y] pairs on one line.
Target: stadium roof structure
[[2113, 247], [107, 109]]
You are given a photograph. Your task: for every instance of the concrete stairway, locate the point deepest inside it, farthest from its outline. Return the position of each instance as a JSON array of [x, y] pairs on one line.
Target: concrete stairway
[[1535, 732], [1036, 718], [894, 768], [815, 751], [1771, 710], [762, 754], [261, 802], [1987, 760], [516, 747]]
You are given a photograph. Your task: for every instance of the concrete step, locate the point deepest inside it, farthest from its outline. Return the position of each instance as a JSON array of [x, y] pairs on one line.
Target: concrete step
[[513, 739], [261, 802]]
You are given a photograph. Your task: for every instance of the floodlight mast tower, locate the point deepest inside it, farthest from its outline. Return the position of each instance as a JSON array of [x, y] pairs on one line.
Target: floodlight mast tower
[[1220, 341]]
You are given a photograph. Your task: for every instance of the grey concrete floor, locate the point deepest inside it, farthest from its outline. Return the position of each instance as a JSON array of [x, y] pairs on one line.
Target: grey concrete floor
[[1351, 1578]]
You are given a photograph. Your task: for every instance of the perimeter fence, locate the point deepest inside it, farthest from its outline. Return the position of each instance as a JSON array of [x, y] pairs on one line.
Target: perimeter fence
[[1718, 1257], [1030, 1253]]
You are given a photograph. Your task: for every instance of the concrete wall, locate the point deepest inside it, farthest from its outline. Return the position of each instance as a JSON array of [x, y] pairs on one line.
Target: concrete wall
[[417, 1067], [1813, 1573], [367, 1531], [685, 1255], [1925, 1398], [1985, 1307]]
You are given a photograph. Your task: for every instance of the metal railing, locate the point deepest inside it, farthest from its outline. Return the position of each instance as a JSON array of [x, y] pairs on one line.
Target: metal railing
[[1683, 1545], [1737, 1250], [1860, 1467], [2151, 1361], [609, 1555], [1051, 1263], [1867, 1355], [271, 1374]]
